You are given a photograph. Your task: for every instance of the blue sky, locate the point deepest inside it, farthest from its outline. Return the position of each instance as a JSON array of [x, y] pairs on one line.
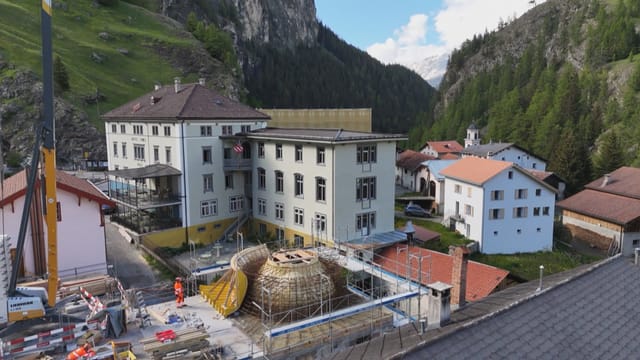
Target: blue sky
[[407, 31]]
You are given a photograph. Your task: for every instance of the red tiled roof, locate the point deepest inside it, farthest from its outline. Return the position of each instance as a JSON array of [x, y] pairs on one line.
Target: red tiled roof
[[610, 207], [193, 101], [449, 156], [539, 174], [412, 160], [448, 146], [16, 185], [475, 170], [624, 181], [481, 279]]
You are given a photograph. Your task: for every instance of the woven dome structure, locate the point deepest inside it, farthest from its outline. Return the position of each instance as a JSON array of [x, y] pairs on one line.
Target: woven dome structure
[[291, 280]]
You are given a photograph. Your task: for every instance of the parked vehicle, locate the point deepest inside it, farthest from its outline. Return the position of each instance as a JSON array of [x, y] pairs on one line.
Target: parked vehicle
[[416, 210]]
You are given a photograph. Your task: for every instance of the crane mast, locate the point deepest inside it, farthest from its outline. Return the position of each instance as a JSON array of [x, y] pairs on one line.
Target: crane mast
[[44, 143]]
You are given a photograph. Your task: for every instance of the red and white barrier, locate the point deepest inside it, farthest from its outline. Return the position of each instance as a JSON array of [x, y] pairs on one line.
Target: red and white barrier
[[46, 339]]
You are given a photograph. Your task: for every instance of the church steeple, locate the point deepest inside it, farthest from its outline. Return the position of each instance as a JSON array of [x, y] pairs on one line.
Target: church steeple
[[473, 136]]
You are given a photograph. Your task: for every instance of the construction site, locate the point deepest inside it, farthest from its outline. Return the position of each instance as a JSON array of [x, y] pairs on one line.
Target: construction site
[[282, 304]]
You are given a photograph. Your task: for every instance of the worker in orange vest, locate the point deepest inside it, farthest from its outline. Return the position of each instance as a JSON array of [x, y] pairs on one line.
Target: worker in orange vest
[[81, 351], [177, 289]]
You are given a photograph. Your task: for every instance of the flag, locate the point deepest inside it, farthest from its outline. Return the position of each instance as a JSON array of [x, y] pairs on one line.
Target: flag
[[238, 148]]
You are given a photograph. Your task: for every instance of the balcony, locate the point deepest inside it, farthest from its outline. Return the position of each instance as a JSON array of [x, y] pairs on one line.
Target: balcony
[[238, 164], [143, 199]]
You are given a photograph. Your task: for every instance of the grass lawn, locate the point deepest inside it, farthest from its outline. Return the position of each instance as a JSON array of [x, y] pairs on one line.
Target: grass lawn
[[524, 265]]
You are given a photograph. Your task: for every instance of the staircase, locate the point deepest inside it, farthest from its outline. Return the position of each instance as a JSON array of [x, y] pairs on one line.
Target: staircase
[[145, 318]]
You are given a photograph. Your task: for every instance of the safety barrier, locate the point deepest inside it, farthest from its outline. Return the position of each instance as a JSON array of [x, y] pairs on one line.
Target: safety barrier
[[45, 340]]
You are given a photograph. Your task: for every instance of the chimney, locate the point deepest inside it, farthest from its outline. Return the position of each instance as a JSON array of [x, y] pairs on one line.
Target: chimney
[[459, 275], [176, 84], [201, 81], [157, 87], [605, 180], [439, 311]]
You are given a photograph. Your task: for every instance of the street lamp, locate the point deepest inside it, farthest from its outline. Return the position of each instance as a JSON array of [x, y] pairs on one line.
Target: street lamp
[[540, 283]]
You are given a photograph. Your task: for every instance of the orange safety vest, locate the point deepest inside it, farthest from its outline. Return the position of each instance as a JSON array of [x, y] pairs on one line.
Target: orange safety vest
[[177, 286], [78, 353]]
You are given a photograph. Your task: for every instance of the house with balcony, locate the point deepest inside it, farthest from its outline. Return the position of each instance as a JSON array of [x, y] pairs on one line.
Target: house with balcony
[[188, 163], [500, 205], [606, 214], [170, 168]]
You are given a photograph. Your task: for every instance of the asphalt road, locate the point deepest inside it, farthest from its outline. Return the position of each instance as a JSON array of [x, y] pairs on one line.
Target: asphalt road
[[128, 263]]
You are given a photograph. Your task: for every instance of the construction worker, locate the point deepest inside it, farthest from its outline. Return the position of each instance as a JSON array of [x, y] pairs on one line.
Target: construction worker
[[80, 352], [178, 291]]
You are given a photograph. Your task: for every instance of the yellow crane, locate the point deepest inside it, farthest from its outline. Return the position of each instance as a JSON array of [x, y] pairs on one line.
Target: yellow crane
[[26, 303]]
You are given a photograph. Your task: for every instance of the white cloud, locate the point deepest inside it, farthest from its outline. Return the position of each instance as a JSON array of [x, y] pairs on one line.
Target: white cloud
[[457, 21]]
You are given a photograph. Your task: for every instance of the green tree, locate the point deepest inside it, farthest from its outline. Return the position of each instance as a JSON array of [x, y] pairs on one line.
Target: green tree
[[610, 155], [570, 161], [60, 75]]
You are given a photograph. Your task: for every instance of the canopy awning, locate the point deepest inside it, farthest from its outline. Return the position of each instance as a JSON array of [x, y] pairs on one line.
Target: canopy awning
[[150, 171]]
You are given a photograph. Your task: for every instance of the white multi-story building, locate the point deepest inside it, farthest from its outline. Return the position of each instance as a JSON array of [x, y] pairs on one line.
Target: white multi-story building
[[322, 185], [188, 161], [500, 205]]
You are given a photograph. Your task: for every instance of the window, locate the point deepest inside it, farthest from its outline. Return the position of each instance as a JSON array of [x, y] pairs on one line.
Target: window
[[279, 234], [520, 212], [366, 154], [469, 191], [519, 231], [298, 185], [262, 207], [261, 150], [468, 210], [206, 155], [298, 153], [545, 211], [321, 189], [115, 149], [245, 128], [114, 128], [262, 228], [298, 216], [123, 128], [262, 179], [138, 152], [320, 223], [538, 192], [280, 211], [320, 155], [227, 130], [510, 174], [167, 154], [521, 194], [279, 182], [365, 188], [205, 130], [228, 181], [365, 221], [495, 214], [457, 189], [298, 240], [156, 154], [137, 129], [227, 153], [497, 195], [278, 151], [207, 182], [536, 211], [124, 150], [236, 203], [167, 131], [208, 208], [154, 130]]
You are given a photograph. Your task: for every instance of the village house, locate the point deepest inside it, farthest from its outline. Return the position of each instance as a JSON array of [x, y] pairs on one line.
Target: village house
[[436, 182], [499, 205], [606, 213], [445, 150], [80, 227], [411, 173], [188, 163]]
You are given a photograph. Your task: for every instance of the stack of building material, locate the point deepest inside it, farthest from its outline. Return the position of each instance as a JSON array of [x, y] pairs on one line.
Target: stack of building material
[[97, 286]]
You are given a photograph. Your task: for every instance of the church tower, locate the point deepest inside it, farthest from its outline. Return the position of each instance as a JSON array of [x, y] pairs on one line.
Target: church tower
[[473, 136]]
